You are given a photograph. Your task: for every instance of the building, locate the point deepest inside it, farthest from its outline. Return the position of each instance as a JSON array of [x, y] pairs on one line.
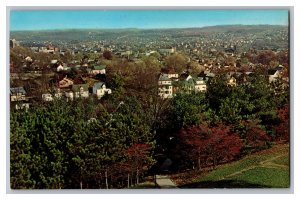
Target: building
[[200, 84], [185, 83], [80, 90], [98, 70], [170, 84], [100, 89], [65, 83], [165, 88], [49, 97], [18, 98], [274, 73], [231, 81], [167, 51], [17, 94]]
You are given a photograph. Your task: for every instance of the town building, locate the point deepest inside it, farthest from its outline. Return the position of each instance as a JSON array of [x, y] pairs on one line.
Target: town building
[[100, 89]]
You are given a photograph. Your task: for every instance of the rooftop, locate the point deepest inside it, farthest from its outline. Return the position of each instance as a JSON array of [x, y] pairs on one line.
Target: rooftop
[[17, 90]]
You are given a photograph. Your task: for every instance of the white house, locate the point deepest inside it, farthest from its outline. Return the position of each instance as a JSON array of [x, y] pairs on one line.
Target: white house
[[69, 95], [28, 59], [200, 85], [165, 88], [59, 68], [167, 51], [47, 97], [173, 76], [22, 105], [231, 81], [17, 94], [98, 70], [274, 74], [100, 89]]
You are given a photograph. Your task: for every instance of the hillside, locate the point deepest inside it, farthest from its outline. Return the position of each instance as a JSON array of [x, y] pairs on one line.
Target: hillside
[[107, 34], [265, 169]]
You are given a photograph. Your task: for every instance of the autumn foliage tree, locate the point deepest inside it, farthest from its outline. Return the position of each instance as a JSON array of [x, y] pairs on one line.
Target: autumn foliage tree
[[139, 158], [208, 146], [107, 54], [177, 62], [282, 128], [254, 135]]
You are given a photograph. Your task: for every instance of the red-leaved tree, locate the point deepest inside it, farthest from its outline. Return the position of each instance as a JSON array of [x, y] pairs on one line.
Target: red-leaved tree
[[255, 136], [282, 128], [210, 145], [139, 159]]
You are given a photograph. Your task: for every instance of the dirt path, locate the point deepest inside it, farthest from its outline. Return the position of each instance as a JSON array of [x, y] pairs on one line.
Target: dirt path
[[164, 182], [269, 164]]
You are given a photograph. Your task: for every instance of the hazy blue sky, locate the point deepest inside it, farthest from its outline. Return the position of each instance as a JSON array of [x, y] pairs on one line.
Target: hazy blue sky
[[64, 19]]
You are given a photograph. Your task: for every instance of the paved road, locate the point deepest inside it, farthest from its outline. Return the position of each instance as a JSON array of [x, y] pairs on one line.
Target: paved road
[[164, 182]]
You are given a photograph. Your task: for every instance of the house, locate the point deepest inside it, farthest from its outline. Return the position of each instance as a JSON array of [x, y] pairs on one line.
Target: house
[[59, 68], [173, 76], [21, 106], [274, 74], [169, 84], [98, 70], [17, 94], [63, 68], [49, 97], [167, 51], [81, 90], [58, 95], [28, 59], [165, 88], [186, 84], [100, 89], [69, 95], [200, 84], [65, 83], [231, 81]]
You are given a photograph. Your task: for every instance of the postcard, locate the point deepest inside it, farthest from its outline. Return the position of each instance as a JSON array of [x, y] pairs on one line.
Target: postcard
[[149, 98]]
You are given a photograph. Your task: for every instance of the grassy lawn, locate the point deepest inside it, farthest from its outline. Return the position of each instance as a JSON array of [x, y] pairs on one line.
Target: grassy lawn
[[267, 177], [266, 169]]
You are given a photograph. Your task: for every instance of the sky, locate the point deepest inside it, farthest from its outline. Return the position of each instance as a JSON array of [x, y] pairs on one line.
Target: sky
[[144, 19]]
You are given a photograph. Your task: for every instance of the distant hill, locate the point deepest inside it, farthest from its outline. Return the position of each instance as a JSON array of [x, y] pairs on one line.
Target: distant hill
[[114, 34]]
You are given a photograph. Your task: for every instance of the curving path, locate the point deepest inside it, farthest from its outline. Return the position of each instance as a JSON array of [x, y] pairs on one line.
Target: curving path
[[164, 182]]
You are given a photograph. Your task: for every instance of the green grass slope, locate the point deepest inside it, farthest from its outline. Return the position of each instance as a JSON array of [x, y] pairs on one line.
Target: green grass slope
[[265, 169]]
